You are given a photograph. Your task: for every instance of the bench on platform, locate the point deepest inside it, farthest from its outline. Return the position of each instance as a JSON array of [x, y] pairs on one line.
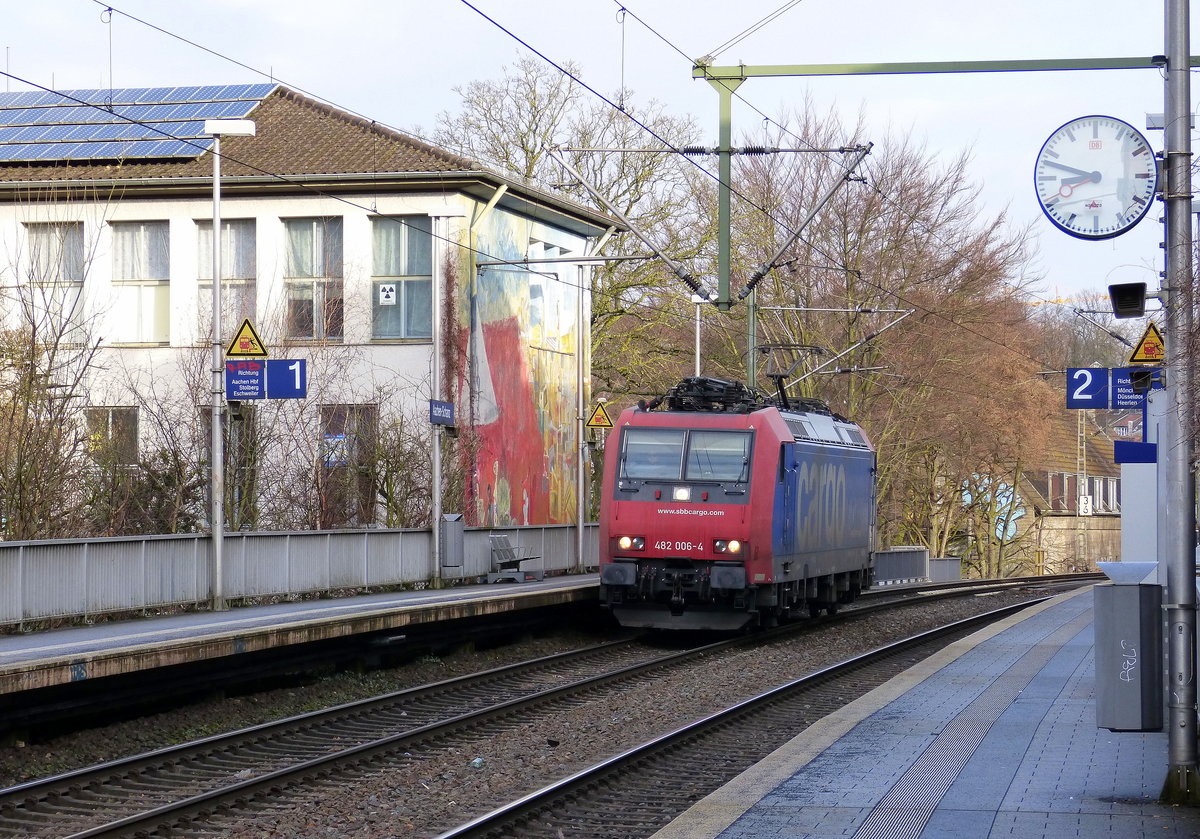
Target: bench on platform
[[513, 563]]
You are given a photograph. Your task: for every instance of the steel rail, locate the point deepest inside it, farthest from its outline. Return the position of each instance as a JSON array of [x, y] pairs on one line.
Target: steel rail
[[309, 726]]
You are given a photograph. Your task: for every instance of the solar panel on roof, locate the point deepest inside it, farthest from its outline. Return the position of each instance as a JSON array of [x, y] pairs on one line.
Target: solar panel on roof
[[127, 123]]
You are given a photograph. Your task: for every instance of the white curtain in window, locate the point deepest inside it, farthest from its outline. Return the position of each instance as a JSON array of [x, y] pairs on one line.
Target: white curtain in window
[[56, 253], [141, 250], [314, 247], [418, 308], [403, 247], [238, 249], [144, 313]]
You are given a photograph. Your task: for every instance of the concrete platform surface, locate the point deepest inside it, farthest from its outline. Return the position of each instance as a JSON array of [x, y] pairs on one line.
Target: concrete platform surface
[[993, 737], [42, 659]]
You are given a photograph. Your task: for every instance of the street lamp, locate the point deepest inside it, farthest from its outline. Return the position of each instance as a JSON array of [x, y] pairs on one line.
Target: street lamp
[[218, 128]]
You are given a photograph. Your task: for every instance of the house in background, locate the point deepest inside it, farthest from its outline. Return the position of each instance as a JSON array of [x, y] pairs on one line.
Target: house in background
[[345, 244], [1075, 498]]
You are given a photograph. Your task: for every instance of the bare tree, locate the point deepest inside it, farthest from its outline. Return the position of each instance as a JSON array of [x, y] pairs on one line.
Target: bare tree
[[950, 397], [513, 123], [47, 353]]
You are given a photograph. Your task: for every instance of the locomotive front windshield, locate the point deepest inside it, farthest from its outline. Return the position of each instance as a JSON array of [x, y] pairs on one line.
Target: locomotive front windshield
[[669, 454]]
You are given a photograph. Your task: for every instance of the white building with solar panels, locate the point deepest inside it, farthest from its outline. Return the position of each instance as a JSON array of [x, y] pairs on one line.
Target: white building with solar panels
[[374, 257]]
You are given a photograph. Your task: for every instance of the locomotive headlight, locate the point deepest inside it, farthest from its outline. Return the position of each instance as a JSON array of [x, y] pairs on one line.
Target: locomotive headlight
[[632, 543], [727, 546], [682, 493]]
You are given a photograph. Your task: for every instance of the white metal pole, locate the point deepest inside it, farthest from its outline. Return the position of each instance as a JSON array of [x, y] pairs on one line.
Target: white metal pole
[[215, 128], [699, 301], [217, 484], [436, 391]]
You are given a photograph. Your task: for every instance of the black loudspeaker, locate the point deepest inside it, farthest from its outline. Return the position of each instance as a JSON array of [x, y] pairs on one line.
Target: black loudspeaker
[[1128, 299]]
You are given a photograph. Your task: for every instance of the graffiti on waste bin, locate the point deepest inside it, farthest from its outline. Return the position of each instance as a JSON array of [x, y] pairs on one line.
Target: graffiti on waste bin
[[1130, 662]]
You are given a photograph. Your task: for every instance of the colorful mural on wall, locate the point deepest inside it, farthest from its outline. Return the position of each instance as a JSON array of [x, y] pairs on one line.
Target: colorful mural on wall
[[520, 380]]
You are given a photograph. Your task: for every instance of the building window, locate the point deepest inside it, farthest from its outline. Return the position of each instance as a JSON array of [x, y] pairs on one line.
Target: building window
[[141, 281], [402, 265], [1064, 492], [315, 307], [1105, 491], [113, 435], [239, 269], [346, 471], [55, 270]]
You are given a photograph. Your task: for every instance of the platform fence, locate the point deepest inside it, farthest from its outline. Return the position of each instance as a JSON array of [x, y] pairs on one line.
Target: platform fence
[[78, 578]]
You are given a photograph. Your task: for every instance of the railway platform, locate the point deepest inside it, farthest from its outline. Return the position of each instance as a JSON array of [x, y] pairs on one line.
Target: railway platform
[[29, 661], [993, 737]]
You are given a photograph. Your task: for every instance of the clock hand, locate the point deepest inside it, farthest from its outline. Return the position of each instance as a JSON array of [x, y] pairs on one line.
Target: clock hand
[[1069, 184], [1070, 169]]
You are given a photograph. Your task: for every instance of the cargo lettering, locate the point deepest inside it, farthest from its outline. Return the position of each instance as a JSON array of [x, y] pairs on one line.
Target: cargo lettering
[[821, 504]]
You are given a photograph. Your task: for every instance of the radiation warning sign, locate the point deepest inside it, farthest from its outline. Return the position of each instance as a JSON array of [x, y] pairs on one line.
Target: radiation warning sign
[[246, 343], [1150, 349], [599, 418]]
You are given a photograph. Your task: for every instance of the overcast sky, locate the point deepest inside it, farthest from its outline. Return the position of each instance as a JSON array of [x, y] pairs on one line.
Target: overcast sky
[[398, 61]]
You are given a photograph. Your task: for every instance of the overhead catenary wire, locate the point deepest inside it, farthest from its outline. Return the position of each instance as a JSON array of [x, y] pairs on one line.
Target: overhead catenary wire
[[750, 30], [596, 93], [490, 259], [768, 119], [887, 198], [314, 95], [111, 10]]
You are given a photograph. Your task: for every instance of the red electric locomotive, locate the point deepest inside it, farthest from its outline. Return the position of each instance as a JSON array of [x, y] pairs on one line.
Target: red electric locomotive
[[722, 509]]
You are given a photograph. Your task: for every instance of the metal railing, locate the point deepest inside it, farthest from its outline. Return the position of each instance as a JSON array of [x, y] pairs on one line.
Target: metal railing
[[78, 578]]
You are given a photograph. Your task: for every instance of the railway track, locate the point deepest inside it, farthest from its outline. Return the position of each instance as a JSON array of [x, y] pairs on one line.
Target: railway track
[[638, 792], [176, 791]]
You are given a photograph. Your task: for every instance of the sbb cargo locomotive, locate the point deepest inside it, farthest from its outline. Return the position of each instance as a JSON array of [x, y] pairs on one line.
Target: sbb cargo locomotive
[[725, 509]]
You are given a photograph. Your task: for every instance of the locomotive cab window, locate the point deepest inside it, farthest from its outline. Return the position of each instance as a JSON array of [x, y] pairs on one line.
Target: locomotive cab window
[[717, 456], [652, 454]]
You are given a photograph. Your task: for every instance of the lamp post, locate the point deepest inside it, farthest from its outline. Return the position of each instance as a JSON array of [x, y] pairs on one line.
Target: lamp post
[[217, 128]]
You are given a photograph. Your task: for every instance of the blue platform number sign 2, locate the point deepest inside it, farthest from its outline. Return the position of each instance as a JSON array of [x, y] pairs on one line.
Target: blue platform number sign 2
[[1087, 387]]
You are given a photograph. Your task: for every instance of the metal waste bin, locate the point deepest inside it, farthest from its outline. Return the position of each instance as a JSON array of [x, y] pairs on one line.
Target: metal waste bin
[[452, 544], [1129, 656]]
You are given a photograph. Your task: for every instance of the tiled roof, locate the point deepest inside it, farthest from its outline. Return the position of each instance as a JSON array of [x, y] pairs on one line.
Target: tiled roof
[[1062, 447], [295, 136]]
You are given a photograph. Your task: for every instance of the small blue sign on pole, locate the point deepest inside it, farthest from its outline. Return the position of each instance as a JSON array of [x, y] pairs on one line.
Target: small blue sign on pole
[[287, 378], [1128, 451], [1087, 387], [441, 413], [244, 380]]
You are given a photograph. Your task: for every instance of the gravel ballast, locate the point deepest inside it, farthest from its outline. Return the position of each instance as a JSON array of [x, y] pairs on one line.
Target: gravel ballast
[[429, 794]]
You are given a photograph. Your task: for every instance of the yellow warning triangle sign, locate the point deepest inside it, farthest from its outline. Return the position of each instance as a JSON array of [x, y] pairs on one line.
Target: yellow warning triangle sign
[[246, 343], [1151, 349], [599, 418]]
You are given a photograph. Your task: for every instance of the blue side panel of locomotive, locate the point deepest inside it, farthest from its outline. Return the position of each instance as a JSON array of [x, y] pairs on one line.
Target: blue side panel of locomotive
[[823, 507]]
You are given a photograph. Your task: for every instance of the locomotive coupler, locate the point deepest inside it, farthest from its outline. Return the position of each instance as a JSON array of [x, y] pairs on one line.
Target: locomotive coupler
[[677, 595]]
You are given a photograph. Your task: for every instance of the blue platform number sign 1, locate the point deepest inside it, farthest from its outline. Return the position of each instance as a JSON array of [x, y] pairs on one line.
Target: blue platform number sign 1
[[1087, 387], [287, 378]]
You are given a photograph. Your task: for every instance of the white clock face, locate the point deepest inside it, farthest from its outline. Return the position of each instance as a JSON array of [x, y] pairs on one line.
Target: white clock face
[[1095, 177]]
